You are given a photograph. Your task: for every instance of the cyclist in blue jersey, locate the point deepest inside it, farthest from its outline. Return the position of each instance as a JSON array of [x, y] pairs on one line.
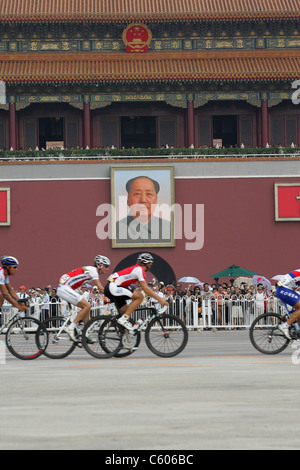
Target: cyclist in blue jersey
[[9, 265], [286, 291]]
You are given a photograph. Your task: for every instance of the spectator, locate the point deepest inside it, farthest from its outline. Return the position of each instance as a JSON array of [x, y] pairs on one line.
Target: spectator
[[228, 303], [196, 297], [206, 305], [216, 279], [243, 288], [248, 306], [45, 304], [237, 311], [220, 300], [36, 302], [178, 296], [197, 291], [259, 303], [188, 306], [168, 295], [55, 304], [23, 294], [158, 292]]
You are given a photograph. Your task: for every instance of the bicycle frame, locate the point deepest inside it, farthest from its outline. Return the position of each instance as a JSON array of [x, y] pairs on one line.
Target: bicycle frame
[[6, 325], [119, 341], [289, 313], [146, 321], [62, 328]]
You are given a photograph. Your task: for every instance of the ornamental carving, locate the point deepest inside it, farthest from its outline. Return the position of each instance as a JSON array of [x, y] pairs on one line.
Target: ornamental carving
[[137, 38]]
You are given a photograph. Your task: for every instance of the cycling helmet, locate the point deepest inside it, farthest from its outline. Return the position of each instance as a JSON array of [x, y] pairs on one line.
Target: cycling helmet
[[145, 258], [9, 261], [101, 261]]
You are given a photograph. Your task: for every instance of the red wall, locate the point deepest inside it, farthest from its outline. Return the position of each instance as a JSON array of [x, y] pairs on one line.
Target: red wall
[[53, 229]]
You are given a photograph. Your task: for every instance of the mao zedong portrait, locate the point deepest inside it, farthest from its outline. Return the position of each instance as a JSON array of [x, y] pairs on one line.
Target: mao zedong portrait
[[141, 224]]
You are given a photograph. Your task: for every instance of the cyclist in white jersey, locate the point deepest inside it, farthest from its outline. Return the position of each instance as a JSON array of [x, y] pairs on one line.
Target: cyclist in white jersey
[[71, 281], [118, 288], [9, 265], [286, 291]]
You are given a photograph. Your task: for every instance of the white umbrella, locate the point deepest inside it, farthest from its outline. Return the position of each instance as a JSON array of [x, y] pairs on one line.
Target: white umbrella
[[241, 279], [261, 280], [200, 284], [278, 277], [190, 280]]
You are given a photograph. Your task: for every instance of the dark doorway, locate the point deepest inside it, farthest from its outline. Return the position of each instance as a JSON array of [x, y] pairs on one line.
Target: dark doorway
[[160, 268], [138, 131], [50, 130], [225, 128]]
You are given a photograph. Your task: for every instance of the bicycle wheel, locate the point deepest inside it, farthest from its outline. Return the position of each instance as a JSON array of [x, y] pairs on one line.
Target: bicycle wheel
[[60, 344], [166, 335], [26, 338], [265, 335], [130, 342], [102, 337]]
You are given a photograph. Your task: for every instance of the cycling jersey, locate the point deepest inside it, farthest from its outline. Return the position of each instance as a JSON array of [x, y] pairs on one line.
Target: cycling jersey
[[290, 280], [3, 279], [285, 288], [128, 276], [77, 277], [117, 289]]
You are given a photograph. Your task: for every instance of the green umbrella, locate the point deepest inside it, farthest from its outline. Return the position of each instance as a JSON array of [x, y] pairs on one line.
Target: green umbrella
[[234, 271]]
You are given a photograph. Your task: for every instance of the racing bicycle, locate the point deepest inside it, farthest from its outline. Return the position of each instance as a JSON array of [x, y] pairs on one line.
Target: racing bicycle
[[165, 334], [26, 337], [265, 335], [60, 344]]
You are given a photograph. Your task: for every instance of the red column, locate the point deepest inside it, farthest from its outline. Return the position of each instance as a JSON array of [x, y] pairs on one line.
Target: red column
[[86, 125], [258, 127], [12, 126], [190, 124], [264, 123]]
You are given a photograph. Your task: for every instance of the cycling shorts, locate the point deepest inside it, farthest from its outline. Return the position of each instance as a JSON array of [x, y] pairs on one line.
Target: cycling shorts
[[288, 296], [118, 295], [68, 294]]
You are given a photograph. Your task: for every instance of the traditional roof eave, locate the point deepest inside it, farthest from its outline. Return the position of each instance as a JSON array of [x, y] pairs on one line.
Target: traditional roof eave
[[144, 10], [18, 68]]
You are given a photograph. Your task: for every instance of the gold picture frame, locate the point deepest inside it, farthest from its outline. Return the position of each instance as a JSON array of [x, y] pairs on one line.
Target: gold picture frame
[[156, 226]]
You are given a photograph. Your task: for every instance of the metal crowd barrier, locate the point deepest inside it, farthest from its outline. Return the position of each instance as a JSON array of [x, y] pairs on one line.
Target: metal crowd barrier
[[197, 314], [220, 313]]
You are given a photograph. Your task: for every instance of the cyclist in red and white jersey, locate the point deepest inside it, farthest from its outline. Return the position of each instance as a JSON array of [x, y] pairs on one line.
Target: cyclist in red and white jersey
[[118, 291], [9, 265], [71, 281], [286, 291]]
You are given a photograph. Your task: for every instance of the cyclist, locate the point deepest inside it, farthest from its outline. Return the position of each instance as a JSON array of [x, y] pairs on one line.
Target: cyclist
[[286, 291], [9, 265], [118, 288], [71, 281]]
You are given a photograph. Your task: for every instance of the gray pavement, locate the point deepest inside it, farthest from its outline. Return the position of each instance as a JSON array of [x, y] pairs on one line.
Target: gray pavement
[[219, 393]]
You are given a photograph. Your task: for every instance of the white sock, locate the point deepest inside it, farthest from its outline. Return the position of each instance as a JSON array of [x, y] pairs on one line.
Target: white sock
[[286, 325], [72, 326]]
